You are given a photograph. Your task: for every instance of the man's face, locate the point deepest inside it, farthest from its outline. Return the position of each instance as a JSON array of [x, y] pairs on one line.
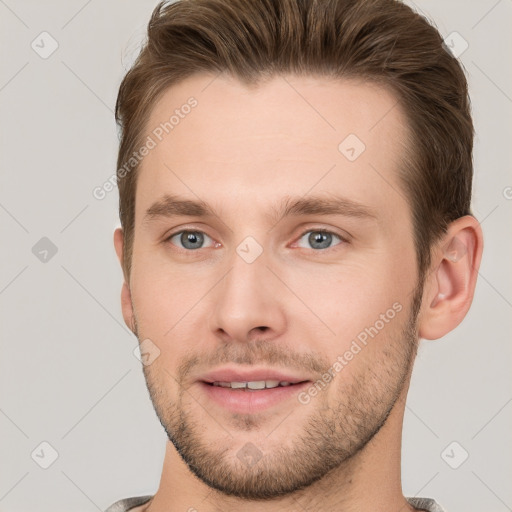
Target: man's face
[[284, 297]]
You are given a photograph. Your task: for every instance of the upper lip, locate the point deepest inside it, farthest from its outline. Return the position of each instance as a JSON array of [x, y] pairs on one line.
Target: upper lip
[[253, 375]]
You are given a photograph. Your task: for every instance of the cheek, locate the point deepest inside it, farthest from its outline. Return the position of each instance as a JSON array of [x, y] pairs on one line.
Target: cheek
[[171, 306], [163, 293], [344, 300]]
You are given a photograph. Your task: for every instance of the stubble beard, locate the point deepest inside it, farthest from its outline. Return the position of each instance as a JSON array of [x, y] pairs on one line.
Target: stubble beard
[[330, 437]]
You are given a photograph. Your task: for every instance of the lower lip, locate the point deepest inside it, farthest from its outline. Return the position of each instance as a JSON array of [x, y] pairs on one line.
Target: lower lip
[[251, 401]]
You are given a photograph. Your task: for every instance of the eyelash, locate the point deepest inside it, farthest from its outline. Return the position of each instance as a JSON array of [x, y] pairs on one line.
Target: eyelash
[[310, 230]]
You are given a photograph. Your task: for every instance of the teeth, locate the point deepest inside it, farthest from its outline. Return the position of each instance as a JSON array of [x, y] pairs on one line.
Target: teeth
[[258, 384]]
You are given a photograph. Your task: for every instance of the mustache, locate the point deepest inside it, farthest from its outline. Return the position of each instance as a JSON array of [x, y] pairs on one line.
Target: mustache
[[259, 352], [255, 352]]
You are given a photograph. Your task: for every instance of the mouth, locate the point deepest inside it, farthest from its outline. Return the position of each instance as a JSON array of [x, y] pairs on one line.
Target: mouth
[[252, 392], [248, 390], [255, 378], [256, 385]]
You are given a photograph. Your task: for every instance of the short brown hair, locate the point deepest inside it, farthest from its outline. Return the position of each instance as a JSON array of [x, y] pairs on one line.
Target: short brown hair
[[382, 41]]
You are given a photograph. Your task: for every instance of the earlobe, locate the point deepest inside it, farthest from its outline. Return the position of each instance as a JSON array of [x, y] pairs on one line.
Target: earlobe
[[126, 300], [127, 308], [450, 286]]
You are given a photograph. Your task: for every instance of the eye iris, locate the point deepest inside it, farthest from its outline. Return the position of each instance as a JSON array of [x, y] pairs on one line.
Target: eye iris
[[195, 239], [324, 239], [192, 237]]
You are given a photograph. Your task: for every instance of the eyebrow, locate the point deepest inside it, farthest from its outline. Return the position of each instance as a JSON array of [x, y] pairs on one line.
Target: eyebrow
[[174, 206]]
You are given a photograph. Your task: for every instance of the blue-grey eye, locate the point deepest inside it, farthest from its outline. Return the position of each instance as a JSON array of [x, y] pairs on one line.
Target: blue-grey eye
[[319, 239], [189, 239]]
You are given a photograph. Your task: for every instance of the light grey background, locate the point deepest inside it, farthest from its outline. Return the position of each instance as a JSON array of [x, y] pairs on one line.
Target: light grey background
[[67, 370]]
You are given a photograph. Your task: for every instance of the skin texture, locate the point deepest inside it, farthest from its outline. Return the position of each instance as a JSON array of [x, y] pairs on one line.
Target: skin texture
[[296, 307]]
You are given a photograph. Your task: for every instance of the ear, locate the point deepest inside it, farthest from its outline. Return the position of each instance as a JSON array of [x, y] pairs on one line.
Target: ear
[[126, 302], [450, 286]]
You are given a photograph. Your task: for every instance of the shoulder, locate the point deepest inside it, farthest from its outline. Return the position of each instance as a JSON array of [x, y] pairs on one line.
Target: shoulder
[[427, 504], [128, 504]]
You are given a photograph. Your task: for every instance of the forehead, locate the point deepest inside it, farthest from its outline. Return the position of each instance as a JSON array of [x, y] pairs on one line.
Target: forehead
[[223, 142]]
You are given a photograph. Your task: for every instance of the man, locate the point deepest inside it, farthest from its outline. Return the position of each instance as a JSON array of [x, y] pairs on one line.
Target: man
[[295, 186]]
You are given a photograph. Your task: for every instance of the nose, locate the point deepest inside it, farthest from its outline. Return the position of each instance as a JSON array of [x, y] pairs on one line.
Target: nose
[[248, 302]]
